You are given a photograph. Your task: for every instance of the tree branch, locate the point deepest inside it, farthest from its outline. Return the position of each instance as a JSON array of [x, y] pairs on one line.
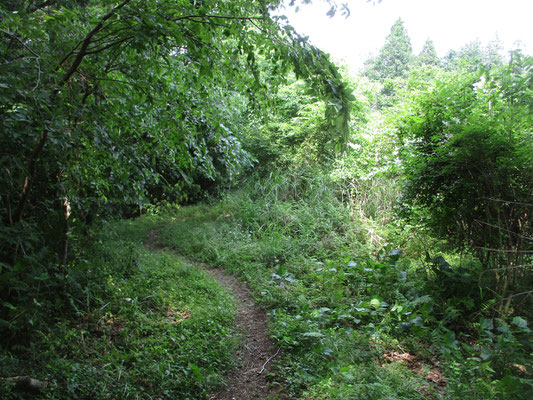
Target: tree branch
[[193, 19], [505, 250], [104, 37], [37, 57], [64, 60], [87, 41], [107, 46], [217, 16], [41, 5], [13, 36], [28, 181], [505, 230]]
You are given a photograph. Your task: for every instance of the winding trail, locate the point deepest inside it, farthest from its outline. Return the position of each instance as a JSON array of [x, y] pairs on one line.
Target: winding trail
[[248, 381]]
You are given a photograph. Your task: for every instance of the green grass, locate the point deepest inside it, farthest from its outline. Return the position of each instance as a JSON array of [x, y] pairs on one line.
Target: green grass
[[309, 265], [354, 321], [141, 325], [339, 307]]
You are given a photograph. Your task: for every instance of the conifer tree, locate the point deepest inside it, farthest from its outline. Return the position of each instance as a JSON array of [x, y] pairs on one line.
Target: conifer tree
[[395, 57], [428, 55]]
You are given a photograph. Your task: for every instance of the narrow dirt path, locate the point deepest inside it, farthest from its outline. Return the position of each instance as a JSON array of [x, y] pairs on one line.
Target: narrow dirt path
[[248, 381]]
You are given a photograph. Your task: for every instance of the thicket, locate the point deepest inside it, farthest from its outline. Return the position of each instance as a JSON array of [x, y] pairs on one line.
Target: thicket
[[468, 167], [353, 319], [106, 108], [393, 251]]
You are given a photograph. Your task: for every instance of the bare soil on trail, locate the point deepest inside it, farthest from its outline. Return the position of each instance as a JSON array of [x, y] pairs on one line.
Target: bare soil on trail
[[248, 381]]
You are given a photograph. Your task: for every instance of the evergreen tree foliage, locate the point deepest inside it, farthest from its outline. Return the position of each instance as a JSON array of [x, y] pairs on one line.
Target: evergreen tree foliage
[[493, 54], [474, 56], [395, 57], [428, 55]]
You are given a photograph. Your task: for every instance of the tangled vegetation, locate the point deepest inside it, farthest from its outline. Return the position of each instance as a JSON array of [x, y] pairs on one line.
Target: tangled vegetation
[[384, 221]]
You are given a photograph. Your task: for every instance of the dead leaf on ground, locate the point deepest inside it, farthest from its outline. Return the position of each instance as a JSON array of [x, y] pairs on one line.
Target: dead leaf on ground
[[175, 317]]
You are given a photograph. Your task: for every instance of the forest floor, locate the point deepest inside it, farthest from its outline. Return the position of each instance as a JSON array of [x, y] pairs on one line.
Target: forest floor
[[249, 379], [256, 299]]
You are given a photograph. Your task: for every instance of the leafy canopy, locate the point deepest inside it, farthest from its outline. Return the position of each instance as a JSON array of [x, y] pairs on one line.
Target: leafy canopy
[[104, 104]]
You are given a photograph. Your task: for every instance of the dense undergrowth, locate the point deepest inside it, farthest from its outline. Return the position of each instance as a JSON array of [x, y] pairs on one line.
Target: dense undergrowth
[[355, 318], [355, 321], [140, 325], [396, 265]]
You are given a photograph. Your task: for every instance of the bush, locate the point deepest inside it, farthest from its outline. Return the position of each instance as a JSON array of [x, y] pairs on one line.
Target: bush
[[469, 166]]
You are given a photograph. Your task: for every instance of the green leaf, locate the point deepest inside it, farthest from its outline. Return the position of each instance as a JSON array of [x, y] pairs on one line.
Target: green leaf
[[486, 324], [520, 323], [375, 304], [43, 277], [312, 334], [509, 384], [8, 305]]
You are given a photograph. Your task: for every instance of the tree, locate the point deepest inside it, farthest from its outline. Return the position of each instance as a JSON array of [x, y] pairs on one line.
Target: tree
[[428, 55], [474, 56], [293, 132], [493, 54], [395, 57], [100, 78]]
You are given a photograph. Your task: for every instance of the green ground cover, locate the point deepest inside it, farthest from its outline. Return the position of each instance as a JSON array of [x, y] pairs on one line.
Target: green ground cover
[[140, 325], [354, 321]]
